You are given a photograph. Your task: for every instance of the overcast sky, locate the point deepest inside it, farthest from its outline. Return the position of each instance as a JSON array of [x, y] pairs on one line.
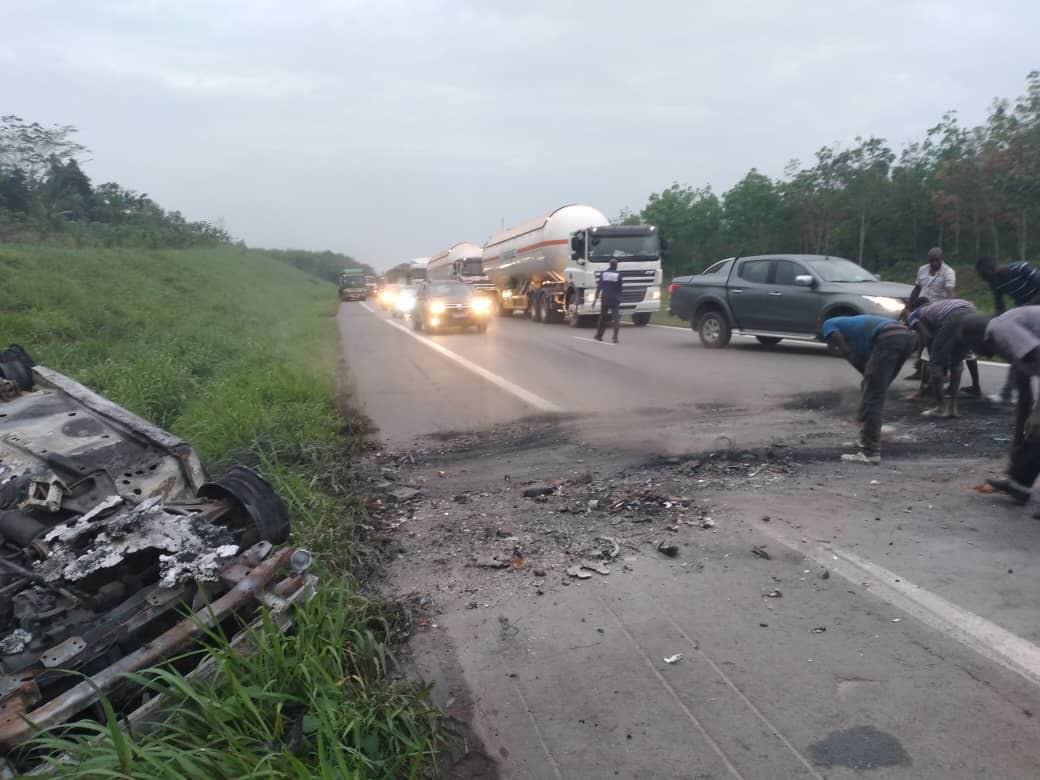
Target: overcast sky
[[390, 129]]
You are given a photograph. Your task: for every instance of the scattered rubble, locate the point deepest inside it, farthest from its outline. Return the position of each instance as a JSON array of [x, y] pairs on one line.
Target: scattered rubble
[[759, 551], [673, 659]]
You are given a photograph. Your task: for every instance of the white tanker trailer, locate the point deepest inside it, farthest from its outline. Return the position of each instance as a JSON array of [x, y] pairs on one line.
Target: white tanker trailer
[[461, 262], [548, 267]]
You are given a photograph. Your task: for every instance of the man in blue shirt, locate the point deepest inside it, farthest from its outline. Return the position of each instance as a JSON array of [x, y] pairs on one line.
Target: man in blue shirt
[[608, 289], [877, 347], [1020, 282]]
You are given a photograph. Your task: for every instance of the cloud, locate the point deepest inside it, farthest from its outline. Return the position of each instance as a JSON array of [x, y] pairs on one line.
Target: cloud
[[388, 129]]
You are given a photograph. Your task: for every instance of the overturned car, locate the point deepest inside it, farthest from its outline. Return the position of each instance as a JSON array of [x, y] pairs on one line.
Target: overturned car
[[116, 551]]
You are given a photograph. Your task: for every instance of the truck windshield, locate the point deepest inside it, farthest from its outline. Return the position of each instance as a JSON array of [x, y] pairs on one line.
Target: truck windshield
[[472, 266], [353, 281], [417, 275], [838, 269], [614, 247]]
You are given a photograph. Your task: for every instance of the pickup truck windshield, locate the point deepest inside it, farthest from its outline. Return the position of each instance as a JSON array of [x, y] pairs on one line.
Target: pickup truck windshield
[[605, 248], [472, 266], [837, 269], [451, 290]]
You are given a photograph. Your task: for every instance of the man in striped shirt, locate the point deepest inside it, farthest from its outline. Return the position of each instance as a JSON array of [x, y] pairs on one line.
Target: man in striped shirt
[[1020, 282], [939, 325]]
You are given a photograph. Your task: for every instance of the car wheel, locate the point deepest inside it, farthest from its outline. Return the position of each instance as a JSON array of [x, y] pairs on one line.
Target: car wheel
[[714, 330], [768, 341], [641, 318]]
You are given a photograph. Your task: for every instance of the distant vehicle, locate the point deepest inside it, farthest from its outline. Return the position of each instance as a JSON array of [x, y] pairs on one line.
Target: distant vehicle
[[451, 304], [404, 301], [462, 262], [388, 295], [352, 285], [548, 267], [776, 297], [372, 283], [417, 270]]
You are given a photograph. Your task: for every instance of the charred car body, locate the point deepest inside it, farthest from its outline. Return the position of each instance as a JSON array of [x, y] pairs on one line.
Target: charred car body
[[116, 552]]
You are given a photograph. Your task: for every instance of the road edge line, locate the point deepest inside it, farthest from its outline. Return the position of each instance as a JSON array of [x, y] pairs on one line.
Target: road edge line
[[973, 631], [500, 382]]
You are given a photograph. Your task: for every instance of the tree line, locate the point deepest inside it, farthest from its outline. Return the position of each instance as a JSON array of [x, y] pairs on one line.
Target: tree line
[[44, 193], [973, 191]]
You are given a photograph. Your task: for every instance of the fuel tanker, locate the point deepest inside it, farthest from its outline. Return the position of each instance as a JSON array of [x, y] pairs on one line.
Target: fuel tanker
[[548, 267], [461, 262]]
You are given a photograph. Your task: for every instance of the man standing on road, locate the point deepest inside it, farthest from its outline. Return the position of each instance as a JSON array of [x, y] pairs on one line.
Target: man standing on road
[[1019, 281], [1015, 336], [935, 281], [608, 290], [939, 324], [877, 347]]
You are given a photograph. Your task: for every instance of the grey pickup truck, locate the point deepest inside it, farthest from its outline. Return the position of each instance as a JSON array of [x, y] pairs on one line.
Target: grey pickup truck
[[776, 297]]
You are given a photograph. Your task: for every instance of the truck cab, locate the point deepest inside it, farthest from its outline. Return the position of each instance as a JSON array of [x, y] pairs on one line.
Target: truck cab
[[637, 250]]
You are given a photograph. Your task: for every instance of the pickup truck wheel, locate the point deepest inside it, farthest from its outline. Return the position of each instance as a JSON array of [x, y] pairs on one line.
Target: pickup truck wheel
[[768, 341], [714, 330], [641, 318]]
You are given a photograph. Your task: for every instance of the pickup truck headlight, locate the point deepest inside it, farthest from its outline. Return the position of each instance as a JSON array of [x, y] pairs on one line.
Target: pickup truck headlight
[[590, 297], [891, 305], [437, 307], [481, 305]]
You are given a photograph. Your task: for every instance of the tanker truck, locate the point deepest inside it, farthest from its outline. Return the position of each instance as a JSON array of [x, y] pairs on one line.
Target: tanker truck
[[417, 270], [548, 267], [462, 262]]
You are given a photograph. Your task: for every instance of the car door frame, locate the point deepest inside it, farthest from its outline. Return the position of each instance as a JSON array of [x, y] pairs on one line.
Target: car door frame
[[787, 303], [747, 299]]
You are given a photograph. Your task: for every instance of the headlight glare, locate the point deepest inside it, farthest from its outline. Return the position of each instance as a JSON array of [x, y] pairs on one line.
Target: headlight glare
[[437, 307], [891, 305]]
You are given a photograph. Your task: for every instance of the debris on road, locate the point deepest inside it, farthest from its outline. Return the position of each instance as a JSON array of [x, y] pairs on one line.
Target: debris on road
[[666, 548], [599, 568], [819, 629], [774, 594], [403, 495], [493, 562], [579, 572], [539, 489], [615, 548], [707, 522], [673, 659], [759, 551]]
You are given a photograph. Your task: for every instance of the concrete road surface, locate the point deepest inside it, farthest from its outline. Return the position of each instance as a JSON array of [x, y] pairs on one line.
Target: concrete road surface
[[888, 631]]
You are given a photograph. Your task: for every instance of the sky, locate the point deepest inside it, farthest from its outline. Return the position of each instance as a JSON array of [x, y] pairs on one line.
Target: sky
[[391, 129]]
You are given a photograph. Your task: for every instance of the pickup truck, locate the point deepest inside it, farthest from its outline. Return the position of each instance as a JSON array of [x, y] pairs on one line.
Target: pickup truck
[[776, 297]]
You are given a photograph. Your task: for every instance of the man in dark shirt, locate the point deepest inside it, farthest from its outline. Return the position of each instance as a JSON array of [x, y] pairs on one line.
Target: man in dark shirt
[[877, 347], [608, 290], [1020, 282], [939, 326]]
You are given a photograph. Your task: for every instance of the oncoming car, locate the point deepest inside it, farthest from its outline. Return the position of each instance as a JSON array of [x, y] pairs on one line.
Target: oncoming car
[[443, 305], [387, 296], [404, 301]]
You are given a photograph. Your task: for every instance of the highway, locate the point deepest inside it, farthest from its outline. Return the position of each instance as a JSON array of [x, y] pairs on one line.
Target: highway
[[890, 632]]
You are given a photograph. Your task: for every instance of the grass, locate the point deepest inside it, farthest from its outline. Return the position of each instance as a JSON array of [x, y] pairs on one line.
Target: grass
[[236, 352]]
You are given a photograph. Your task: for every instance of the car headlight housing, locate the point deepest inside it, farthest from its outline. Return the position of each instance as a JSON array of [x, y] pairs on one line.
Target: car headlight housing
[[481, 305], [437, 307], [891, 305]]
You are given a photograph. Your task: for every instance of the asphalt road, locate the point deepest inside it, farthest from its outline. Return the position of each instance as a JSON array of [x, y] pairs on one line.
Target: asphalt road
[[915, 656]]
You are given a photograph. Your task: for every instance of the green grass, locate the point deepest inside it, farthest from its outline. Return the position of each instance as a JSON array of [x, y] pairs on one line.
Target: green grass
[[236, 352]]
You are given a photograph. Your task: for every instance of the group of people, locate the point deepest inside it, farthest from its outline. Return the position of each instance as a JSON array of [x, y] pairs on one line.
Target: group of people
[[945, 333]]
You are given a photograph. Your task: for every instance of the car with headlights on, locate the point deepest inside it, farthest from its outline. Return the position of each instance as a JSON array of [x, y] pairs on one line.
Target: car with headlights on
[[387, 295], [404, 301], [445, 305], [776, 297]]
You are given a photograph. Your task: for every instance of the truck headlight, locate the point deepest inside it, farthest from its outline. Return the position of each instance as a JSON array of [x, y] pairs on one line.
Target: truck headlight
[[590, 297], [655, 294], [891, 305], [437, 307]]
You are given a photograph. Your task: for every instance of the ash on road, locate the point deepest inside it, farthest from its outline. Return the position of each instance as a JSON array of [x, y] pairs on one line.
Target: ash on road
[[818, 619]]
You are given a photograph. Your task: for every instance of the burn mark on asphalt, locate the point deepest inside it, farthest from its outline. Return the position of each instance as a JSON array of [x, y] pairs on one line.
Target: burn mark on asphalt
[[861, 747]]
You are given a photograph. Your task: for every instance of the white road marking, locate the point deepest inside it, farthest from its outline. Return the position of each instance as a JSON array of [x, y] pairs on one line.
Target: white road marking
[[594, 341], [366, 307], [502, 383], [983, 636]]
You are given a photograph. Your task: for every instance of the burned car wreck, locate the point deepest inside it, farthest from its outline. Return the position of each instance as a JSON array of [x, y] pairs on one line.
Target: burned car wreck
[[116, 551]]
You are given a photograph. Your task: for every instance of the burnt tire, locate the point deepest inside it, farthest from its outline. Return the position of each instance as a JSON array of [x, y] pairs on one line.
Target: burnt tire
[[768, 341], [714, 330], [16, 365], [259, 513]]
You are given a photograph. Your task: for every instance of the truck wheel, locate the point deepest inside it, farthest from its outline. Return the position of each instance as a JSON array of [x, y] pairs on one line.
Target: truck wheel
[[768, 341], [641, 318], [540, 310], [714, 330]]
